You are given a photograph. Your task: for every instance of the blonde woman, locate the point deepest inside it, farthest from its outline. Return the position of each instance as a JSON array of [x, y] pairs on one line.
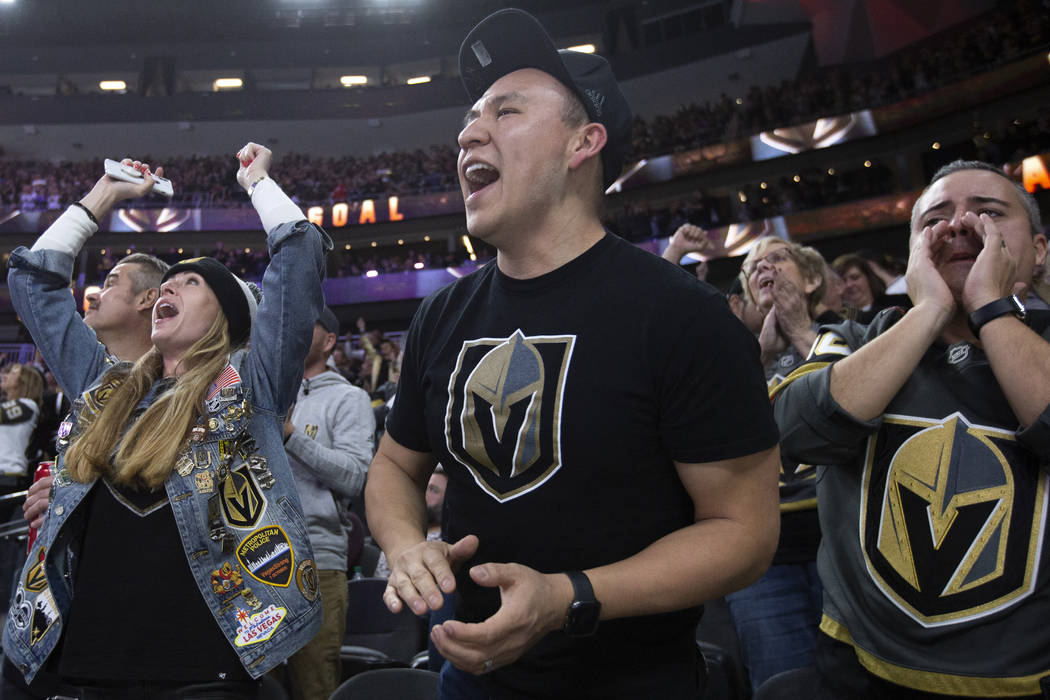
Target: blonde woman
[[174, 560], [22, 388]]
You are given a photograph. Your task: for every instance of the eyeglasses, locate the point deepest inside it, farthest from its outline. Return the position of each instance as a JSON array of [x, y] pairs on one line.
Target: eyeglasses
[[774, 258]]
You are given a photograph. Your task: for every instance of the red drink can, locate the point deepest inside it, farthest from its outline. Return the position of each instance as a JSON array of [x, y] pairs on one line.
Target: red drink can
[[42, 469]]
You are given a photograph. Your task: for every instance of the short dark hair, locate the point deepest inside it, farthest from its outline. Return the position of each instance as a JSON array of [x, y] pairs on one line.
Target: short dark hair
[[147, 273], [1027, 200]]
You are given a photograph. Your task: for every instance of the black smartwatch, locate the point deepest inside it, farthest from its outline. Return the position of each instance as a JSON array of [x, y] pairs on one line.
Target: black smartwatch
[[581, 619], [995, 309]]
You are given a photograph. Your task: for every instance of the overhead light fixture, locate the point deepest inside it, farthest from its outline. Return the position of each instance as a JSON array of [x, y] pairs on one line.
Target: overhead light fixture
[[418, 265], [227, 84], [582, 48], [351, 80], [112, 85], [372, 273], [420, 80]]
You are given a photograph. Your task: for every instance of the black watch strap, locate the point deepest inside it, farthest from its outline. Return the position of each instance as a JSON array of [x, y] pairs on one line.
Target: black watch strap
[[582, 590], [995, 309], [581, 619]]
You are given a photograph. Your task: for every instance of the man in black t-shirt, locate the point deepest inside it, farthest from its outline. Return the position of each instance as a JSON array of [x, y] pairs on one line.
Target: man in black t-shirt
[[588, 511]]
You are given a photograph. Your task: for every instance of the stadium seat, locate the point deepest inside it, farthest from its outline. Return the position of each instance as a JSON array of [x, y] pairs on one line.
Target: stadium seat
[[390, 684]]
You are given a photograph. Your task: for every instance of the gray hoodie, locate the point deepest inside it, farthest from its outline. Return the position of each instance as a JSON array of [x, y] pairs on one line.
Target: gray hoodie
[[330, 451]]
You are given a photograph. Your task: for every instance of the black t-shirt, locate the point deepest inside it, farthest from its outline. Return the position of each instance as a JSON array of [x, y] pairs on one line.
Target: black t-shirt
[[137, 613], [558, 406]]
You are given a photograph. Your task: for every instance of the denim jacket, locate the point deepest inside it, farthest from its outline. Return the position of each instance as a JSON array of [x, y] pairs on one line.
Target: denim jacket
[[231, 491]]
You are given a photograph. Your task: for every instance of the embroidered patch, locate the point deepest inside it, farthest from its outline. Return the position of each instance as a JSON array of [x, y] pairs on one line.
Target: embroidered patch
[[311, 431], [205, 482], [242, 501], [45, 612], [21, 611], [227, 378], [267, 556], [256, 628], [226, 579], [36, 581], [306, 579]]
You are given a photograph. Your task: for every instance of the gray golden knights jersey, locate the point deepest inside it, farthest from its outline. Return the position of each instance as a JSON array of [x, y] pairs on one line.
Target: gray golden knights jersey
[[935, 547]]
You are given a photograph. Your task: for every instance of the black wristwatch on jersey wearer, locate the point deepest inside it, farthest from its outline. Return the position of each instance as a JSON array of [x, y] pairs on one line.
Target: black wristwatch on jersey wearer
[[995, 309], [581, 619]]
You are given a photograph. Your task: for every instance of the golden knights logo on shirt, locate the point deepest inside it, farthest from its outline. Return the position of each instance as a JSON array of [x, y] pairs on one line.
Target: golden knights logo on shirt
[[503, 420], [952, 517]]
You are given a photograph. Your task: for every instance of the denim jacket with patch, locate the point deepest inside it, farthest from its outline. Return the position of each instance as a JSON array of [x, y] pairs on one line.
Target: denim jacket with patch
[[231, 491]]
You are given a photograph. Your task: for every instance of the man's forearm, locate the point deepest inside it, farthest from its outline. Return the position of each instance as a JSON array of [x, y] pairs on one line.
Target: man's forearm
[[1020, 360], [685, 568], [865, 382], [396, 507], [719, 553]]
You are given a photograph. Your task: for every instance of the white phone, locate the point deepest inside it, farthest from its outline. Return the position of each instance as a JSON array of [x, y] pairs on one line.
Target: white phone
[[116, 169]]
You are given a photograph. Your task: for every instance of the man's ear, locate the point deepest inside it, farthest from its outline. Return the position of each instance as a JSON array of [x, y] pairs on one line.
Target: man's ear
[[329, 343], [588, 144], [148, 298], [1039, 243]]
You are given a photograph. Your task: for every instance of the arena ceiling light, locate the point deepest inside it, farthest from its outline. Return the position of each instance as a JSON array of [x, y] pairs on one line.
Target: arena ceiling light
[[420, 80], [112, 85], [351, 80], [582, 48], [227, 84]]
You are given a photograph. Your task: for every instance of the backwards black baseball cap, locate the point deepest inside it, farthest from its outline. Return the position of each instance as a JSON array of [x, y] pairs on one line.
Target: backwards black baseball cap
[[511, 39]]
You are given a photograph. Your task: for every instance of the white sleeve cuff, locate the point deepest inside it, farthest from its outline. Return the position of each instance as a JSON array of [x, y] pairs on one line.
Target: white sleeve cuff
[[274, 206], [68, 234]]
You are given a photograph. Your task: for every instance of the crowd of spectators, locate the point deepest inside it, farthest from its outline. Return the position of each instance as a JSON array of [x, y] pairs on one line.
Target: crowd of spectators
[[211, 181], [999, 37]]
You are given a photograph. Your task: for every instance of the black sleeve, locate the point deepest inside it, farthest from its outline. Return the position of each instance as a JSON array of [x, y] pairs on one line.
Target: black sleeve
[[406, 422], [714, 404]]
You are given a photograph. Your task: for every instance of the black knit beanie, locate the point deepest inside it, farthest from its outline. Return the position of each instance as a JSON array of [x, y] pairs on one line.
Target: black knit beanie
[[235, 297]]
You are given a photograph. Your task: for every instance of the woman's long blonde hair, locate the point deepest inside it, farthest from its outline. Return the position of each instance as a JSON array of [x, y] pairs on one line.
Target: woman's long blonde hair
[[146, 453]]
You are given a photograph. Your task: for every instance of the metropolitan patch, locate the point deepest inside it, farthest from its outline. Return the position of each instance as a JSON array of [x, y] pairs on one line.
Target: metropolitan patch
[[267, 555], [45, 612]]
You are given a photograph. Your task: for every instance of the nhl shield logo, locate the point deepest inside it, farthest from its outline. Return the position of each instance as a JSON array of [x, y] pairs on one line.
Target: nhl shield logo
[[503, 420]]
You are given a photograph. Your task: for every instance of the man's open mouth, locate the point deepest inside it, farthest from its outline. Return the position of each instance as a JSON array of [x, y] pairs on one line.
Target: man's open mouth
[[479, 175]]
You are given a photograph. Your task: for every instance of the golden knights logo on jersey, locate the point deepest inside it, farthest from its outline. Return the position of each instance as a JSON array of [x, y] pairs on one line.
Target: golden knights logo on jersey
[[503, 420], [952, 517]]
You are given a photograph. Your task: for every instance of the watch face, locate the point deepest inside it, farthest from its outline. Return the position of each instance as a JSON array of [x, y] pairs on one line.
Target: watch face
[[583, 618]]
